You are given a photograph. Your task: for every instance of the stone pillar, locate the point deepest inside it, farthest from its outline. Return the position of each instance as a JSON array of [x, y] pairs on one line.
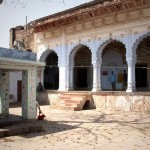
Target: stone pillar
[[70, 83], [62, 78], [4, 92], [96, 77], [131, 76], [62, 63], [71, 78], [99, 78], [68, 79], [29, 94]]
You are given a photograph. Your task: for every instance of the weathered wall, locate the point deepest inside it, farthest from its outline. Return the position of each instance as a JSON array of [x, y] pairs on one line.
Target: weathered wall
[[123, 102], [119, 101]]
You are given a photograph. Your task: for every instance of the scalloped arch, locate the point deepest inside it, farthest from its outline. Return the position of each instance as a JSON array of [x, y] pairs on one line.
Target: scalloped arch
[[104, 44], [44, 55], [73, 52], [138, 40]]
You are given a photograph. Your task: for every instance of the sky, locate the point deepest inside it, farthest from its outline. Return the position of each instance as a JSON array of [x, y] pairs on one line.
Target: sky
[[12, 15]]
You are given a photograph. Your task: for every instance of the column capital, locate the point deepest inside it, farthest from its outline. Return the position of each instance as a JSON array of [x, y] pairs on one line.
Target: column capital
[[129, 58], [97, 63], [131, 61]]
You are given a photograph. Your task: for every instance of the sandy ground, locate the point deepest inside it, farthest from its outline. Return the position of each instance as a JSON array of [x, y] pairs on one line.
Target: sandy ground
[[84, 130]]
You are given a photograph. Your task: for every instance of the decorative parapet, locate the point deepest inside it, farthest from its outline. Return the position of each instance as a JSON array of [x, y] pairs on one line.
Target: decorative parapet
[[17, 54]]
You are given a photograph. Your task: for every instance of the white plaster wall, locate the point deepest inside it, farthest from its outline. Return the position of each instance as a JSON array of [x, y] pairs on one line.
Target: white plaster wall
[[13, 78]]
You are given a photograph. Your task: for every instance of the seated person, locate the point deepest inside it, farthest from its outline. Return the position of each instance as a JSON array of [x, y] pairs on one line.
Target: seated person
[[39, 87]]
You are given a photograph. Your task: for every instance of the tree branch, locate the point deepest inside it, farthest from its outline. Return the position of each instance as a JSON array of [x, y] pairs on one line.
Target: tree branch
[[1, 1], [20, 2]]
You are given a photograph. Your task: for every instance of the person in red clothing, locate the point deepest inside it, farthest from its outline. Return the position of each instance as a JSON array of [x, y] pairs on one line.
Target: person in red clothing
[[41, 116]]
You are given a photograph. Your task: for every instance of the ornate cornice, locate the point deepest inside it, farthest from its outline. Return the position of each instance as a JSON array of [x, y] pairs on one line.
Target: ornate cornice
[[86, 11]]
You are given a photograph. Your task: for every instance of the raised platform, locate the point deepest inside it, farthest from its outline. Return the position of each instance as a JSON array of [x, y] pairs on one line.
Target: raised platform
[[14, 125], [108, 100]]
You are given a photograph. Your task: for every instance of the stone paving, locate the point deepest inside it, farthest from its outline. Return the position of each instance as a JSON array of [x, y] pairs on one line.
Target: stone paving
[[84, 130]]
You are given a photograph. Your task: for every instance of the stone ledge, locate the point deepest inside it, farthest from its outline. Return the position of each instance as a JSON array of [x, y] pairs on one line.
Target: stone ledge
[[19, 130]]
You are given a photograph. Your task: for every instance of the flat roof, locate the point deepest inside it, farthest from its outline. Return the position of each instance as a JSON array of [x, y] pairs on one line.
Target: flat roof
[[17, 54]]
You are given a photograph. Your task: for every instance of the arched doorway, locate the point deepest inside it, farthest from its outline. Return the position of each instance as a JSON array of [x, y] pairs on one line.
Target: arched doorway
[[82, 69], [113, 59], [86, 105], [143, 62], [51, 72]]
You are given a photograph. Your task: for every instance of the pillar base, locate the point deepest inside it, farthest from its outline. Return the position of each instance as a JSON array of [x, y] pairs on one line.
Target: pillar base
[[130, 90], [65, 89], [96, 89]]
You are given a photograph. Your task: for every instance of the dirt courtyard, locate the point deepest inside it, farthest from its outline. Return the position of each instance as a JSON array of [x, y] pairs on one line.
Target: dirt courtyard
[[84, 130]]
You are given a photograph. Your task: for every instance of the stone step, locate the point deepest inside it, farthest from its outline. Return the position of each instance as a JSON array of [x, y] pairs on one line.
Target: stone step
[[71, 101], [67, 96], [67, 104], [74, 98], [61, 107], [9, 123], [11, 120], [19, 129], [63, 103], [64, 97]]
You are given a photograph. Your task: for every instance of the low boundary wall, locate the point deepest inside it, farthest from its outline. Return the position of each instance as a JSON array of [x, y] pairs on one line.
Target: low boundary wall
[[118, 101]]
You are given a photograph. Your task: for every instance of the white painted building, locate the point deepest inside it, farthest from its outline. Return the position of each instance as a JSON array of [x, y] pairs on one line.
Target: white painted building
[[82, 45]]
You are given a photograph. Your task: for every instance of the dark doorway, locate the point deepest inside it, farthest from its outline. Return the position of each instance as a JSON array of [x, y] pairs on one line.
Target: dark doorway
[[141, 75], [143, 56], [81, 78], [51, 72], [82, 69]]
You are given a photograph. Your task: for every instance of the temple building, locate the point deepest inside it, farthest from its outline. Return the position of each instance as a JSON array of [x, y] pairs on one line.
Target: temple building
[[81, 46]]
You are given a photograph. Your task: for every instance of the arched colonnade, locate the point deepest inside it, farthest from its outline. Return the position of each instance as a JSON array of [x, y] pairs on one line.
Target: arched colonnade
[[87, 65]]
